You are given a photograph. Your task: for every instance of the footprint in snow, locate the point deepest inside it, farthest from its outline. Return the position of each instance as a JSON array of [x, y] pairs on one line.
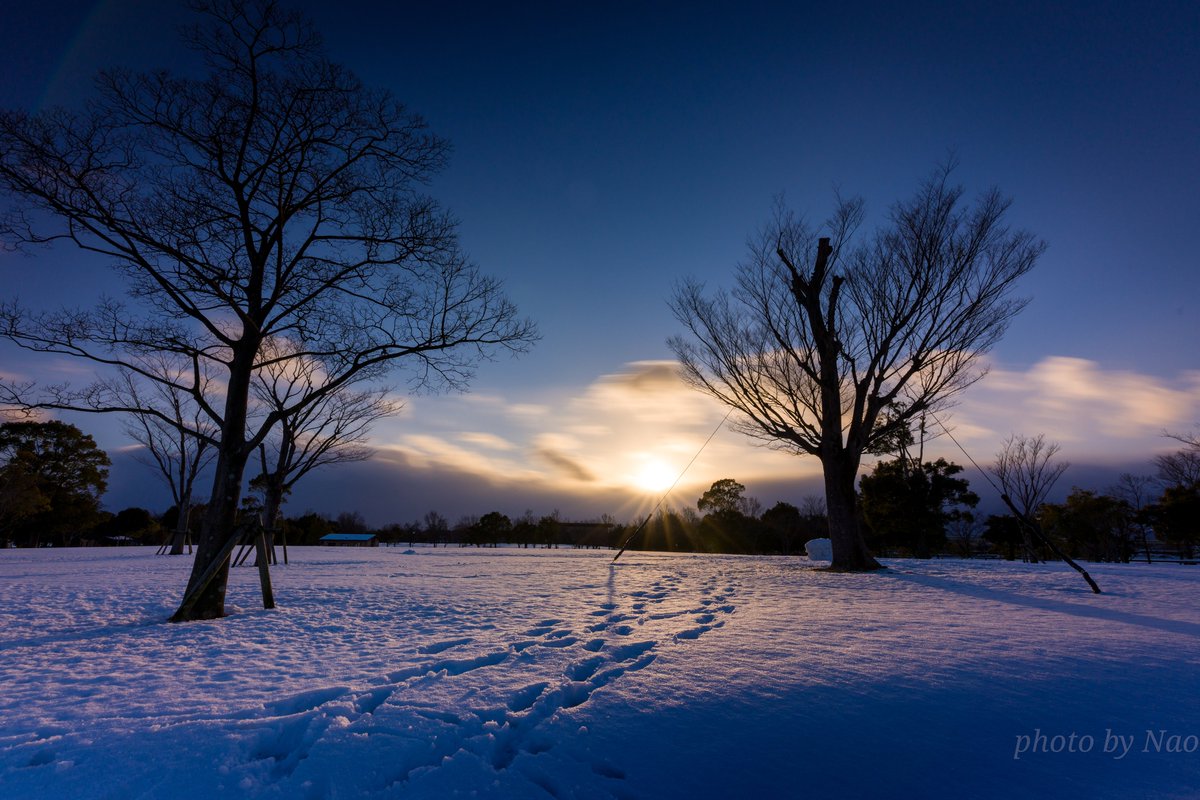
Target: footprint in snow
[[693, 633], [585, 669], [437, 647], [522, 699], [305, 701], [564, 641], [368, 702], [626, 652]]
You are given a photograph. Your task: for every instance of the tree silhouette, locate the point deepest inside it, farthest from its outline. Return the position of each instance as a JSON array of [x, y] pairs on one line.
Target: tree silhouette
[[1181, 468], [331, 430], [909, 504], [51, 478], [830, 350], [1176, 517], [491, 529], [1027, 471], [723, 495], [1098, 527], [177, 437], [274, 198], [1135, 492]]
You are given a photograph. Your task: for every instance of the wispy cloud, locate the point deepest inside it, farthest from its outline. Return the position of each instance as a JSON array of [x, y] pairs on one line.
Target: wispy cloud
[[634, 430], [1096, 413], [488, 441], [565, 465], [615, 433]]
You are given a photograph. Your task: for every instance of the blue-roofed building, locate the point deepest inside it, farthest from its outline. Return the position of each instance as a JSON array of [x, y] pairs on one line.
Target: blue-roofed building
[[350, 540]]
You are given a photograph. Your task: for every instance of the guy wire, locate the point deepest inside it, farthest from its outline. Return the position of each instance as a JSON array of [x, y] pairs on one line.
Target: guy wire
[[663, 499]]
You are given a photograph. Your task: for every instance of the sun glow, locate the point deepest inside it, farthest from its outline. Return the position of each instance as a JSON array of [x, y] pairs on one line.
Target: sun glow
[[654, 476]]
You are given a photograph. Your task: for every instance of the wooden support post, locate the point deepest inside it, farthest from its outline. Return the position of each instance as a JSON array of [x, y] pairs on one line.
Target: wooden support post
[[629, 538], [245, 551], [264, 570]]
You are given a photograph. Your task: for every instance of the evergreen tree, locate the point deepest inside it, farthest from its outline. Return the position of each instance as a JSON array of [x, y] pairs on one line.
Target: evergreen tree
[[52, 476], [909, 507]]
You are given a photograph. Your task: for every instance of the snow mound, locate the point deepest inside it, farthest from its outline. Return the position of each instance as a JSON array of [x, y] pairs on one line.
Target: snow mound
[[819, 549]]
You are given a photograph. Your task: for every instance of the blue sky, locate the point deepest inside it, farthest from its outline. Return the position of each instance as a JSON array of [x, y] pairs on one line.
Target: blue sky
[[603, 151]]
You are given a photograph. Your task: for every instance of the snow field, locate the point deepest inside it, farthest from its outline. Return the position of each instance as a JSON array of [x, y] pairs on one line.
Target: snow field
[[551, 674]]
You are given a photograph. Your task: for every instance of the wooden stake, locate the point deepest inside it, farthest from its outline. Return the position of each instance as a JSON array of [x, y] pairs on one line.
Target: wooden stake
[[264, 571]]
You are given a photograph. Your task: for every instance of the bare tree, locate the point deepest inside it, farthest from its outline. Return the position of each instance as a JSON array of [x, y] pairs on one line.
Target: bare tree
[[178, 440], [1192, 440], [1027, 471], [812, 506], [331, 430], [1181, 468], [964, 532], [830, 350], [1136, 492], [274, 197], [437, 528]]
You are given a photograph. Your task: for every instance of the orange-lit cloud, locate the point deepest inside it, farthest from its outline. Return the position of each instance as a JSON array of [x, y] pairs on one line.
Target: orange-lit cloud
[[1098, 414], [627, 431], [635, 430]]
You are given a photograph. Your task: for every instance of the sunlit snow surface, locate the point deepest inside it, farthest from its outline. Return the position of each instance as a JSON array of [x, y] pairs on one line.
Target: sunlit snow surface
[[510, 674]]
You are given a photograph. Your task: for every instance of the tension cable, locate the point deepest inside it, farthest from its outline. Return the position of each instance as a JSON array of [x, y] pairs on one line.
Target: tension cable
[[1030, 524], [663, 499]]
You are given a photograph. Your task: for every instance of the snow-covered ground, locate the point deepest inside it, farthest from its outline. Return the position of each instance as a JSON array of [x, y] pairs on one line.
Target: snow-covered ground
[[551, 674]]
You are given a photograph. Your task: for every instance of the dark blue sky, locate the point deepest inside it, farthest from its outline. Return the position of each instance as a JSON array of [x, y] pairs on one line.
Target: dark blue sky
[[604, 150]]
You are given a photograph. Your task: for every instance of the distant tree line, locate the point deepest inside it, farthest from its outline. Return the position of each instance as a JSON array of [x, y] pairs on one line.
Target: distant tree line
[[52, 478], [914, 508]]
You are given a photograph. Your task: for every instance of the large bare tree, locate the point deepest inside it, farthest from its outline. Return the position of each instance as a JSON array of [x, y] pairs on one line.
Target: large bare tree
[[275, 196], [831, 349]]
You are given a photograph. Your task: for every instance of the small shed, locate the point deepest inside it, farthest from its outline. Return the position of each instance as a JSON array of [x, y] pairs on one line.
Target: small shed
[[350, 540]]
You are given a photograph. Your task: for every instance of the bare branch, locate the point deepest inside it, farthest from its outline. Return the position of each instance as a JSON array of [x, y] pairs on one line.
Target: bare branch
[[1027, 471]]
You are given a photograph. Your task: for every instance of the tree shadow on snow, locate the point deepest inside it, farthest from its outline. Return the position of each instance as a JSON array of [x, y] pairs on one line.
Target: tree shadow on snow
[[1046, 604]]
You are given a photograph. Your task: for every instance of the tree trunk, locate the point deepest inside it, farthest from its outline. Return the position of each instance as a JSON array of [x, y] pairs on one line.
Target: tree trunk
[[921, 544], [272, 502], [220, 524], [1030, 551], [850, 553], [220, 521]]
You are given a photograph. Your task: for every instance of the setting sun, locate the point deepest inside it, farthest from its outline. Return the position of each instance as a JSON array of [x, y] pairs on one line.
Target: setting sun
[[654, 476]]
